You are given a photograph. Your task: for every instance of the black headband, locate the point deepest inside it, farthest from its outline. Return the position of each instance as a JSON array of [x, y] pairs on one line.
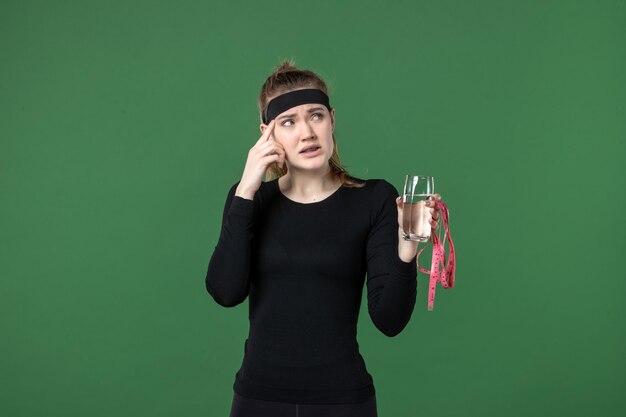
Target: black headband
[[294, 98]]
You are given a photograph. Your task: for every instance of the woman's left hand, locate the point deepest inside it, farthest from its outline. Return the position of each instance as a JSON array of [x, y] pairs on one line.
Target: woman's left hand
[[407, 248], [434, 211]]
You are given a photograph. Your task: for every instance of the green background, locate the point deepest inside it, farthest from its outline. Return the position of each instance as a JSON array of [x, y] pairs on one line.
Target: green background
[[124, 123]]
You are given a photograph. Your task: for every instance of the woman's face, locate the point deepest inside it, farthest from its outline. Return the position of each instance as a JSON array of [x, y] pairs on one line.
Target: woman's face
[[303, 126]]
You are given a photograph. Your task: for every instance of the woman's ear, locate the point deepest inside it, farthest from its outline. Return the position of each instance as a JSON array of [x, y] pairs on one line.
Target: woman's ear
[[332, 118]]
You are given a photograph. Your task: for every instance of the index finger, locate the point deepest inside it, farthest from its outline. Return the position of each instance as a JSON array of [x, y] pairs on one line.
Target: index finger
[[267, 132]]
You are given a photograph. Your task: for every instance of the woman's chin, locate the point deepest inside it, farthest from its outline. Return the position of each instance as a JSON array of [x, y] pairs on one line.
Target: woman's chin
[[311, 166]]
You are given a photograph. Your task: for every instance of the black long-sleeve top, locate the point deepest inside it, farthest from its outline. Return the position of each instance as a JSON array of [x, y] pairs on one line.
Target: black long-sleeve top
[[303, 266]]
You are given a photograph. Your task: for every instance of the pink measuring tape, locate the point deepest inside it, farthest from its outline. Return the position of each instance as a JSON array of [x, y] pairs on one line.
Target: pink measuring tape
[[439, 271]]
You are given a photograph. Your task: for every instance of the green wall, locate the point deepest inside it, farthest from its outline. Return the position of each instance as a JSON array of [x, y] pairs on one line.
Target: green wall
[[124, 123]]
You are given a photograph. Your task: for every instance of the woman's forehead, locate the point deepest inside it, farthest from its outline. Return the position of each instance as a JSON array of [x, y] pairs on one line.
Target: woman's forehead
[[303, 108]]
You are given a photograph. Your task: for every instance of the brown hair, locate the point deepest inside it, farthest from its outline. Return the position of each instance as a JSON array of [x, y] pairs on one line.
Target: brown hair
[[286, 77]]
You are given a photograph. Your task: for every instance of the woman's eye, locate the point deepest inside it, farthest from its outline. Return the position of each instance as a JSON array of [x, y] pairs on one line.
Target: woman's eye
[[319, 117]]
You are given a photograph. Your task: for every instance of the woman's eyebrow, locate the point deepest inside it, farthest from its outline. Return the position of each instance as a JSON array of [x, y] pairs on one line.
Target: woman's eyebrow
[[308, 111]]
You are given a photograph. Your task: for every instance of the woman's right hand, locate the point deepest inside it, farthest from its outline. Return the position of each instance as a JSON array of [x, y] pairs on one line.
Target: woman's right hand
[[264, 152]]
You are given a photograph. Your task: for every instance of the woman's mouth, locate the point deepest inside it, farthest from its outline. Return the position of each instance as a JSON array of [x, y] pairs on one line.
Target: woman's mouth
[[314, 151]]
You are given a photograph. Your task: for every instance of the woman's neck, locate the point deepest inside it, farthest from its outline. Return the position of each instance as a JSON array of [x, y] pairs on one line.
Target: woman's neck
[[308, 186]]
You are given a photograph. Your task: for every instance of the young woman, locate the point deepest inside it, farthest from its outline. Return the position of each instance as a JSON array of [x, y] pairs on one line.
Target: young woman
[[300, 245]]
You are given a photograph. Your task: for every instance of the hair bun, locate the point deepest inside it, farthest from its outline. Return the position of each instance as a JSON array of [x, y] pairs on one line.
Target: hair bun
[[286, 66]]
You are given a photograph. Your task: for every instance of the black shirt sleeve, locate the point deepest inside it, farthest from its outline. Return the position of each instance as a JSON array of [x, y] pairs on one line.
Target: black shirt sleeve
[[391, 282], [228, 273]]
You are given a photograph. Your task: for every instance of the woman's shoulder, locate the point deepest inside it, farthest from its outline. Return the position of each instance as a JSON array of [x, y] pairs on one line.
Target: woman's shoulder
[[378, 186], [266, 189], [265, 185]]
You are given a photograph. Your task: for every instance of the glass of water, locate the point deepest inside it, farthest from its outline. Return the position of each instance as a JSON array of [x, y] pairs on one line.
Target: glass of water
[[415, 215]]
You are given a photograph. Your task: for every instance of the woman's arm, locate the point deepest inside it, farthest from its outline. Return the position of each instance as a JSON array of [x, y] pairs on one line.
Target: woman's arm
[[227, 278], [228, 275], [391, 282]]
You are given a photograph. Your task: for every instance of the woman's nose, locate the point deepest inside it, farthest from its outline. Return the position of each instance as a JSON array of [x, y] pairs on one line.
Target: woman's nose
[[307, 130]]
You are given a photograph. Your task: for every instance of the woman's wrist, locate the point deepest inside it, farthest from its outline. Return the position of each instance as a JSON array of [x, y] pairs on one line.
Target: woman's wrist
[[406, 256], [244, 193], [407, 249]]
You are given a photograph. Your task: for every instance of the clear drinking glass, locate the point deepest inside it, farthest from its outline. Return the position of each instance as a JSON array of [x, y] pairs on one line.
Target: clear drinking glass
[[415, 215]]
